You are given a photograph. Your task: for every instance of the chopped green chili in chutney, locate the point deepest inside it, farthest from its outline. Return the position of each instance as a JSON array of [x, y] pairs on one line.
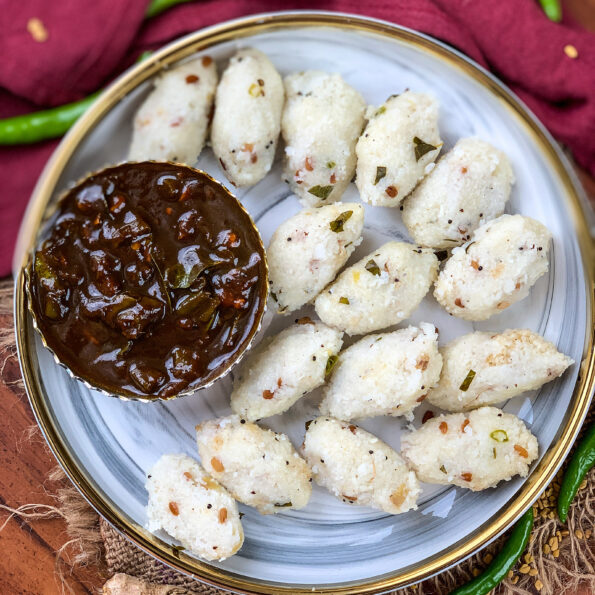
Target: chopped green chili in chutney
[[148, 280]]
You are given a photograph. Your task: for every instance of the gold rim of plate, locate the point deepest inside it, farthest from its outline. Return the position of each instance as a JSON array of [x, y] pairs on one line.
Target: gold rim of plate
[[200, 41]]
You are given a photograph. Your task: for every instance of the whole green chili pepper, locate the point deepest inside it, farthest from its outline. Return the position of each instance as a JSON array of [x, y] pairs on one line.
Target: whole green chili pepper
[[553, 9], [38, 126], [158, 6], [581, 462], [508, 556], [50, 123]]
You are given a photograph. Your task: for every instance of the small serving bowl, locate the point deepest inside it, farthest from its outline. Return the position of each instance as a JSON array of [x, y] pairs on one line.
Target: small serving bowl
[[148, 281]]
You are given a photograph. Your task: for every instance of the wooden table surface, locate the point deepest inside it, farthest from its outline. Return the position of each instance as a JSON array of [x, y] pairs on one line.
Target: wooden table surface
[[28, 546]]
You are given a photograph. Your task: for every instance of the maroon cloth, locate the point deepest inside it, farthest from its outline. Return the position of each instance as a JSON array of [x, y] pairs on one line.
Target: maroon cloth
[[90, 42]]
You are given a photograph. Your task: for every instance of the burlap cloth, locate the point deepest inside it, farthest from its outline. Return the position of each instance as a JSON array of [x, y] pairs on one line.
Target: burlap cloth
[[560, 558]]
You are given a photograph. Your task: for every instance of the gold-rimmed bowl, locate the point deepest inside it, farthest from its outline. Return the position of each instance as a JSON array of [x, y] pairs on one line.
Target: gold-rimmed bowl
[[328, 547], [68, 337]]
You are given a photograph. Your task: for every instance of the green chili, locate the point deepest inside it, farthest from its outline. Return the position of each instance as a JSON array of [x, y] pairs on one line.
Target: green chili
[[158, 6], [43, 125], [581, 462], [337, 224], [552, 9], [508, 556]]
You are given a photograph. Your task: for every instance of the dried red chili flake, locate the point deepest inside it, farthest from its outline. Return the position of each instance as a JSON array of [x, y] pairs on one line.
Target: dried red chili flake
[[391, 191], [464, 425], [173, 507], [459, 303], [443, 427], [333, 178], [308, 164], [467, 476], [207, 61], [352, 428], [192, 78], [267, 394]]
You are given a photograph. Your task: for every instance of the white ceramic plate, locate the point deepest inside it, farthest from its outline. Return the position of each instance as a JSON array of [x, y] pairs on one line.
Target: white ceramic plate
[[107, 445]]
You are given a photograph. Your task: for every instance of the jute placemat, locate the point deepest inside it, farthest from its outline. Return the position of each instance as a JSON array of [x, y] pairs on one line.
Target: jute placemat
[[559, 559]]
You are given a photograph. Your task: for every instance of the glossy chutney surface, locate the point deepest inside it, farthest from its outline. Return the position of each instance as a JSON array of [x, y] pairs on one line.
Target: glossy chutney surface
[[149, 280]]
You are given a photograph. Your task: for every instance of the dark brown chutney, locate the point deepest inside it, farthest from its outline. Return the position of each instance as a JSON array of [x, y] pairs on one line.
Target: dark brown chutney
[[149, 280]]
